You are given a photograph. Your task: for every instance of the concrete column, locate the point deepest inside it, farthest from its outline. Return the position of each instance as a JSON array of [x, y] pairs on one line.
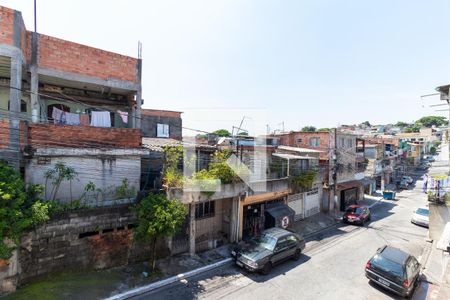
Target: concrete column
[[35, 107], [234, 224], [132, 119], [139, 95], [15, 96], [192, 228]]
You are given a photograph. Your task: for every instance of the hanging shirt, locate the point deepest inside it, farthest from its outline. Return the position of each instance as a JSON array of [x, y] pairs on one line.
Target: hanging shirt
[[123, 115], [72, 119], [84, 119], [59, 116], [101, 119]]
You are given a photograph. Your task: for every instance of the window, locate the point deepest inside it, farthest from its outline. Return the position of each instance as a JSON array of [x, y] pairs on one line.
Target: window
[[384, 264], [341, 142], [162, 130], [350, 143], [299, 141], [23, 105], [314, 142], [205, 210]]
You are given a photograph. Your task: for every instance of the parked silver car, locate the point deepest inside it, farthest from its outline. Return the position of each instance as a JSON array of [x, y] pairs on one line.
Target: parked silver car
[[273, 246]]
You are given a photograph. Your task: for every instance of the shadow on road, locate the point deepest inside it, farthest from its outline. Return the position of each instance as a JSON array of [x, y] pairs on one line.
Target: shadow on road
[[279, 270]]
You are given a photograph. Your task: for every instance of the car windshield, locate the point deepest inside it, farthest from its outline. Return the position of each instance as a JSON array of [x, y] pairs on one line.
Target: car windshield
[[386, 265], [266, 241], [423, 212], [354, 210]]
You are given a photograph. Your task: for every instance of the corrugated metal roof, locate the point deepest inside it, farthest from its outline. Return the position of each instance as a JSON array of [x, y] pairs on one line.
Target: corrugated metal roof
[[292, 156], [300, 150], [158, 144]]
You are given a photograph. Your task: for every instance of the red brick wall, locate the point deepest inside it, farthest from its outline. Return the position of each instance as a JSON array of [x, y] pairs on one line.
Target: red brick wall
[[71, 57], [161, 113], [4, 133], [292, 139], [50, 135], [6, 25]]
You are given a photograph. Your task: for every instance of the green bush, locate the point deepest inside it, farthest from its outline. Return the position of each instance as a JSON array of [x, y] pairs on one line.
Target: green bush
[[20, 209]]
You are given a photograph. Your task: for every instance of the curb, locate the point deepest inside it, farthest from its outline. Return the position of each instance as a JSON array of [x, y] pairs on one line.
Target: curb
[[152, 286]]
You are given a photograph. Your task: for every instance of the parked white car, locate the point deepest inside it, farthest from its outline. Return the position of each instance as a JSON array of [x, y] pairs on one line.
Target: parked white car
[[421, 216]]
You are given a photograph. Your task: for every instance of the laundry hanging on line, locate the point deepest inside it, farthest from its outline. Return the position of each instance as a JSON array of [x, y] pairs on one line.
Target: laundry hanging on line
[[72, 119], [123, 115], [58, 116], [101, 119]]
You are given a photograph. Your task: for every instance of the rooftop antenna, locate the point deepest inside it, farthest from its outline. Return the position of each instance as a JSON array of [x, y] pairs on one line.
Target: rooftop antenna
[[240, 126], [139, 49], [35, 26]]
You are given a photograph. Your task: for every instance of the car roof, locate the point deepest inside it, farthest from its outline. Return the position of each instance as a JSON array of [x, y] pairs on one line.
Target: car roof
[[276, 232], [394, 254], [355, 206]]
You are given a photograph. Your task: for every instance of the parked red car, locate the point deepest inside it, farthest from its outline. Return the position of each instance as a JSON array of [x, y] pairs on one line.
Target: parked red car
[[356, 214]]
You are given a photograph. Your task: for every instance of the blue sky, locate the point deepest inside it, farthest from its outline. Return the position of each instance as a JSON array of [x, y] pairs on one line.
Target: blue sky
[[318, 62]]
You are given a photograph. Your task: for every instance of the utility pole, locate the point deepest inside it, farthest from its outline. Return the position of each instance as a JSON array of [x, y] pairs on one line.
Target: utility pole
[[382, 166], [334, 156]]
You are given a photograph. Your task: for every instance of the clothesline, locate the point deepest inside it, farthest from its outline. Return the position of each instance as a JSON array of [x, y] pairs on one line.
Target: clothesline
[[97, 118], [436, 184]]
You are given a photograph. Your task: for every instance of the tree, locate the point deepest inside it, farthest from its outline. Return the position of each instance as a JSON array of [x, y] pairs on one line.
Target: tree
[[20, 208], [323, 129], [158, 217], [57, 175], [222, 132], [309, 129], [401, 124], [366, 123], [429, 121], [242, 133]]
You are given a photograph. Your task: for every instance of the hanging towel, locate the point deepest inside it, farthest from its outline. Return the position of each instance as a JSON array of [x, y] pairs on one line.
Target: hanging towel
[[59, 116], [123, 115], [84, 119], [72, 119], [101, 119]]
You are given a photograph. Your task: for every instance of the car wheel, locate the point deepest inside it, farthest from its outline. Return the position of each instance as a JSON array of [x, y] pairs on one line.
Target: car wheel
[[267, 268], [297, 254]]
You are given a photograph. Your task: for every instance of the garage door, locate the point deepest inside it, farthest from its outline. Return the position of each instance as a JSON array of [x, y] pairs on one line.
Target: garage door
[[295, 202], [312, 205]]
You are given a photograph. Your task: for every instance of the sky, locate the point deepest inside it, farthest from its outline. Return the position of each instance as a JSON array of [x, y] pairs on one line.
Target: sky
[[317, 62]]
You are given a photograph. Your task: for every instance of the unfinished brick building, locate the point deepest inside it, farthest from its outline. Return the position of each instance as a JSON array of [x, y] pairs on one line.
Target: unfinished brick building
[[65, 102]]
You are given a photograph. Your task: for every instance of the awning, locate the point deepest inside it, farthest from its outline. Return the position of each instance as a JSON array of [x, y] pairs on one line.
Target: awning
[[292, 156], [282, 216], [280, 211], [348, 185]]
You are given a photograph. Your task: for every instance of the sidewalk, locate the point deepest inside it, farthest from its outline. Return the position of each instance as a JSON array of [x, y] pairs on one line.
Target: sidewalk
[[313, 224]]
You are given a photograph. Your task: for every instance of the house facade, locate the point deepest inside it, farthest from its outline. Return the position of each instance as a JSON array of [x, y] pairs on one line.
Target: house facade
[[63, 102]]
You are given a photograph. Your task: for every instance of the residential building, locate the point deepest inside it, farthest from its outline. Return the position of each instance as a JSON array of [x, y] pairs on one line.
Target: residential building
[[342, 164], [64, 102], [161, 124]]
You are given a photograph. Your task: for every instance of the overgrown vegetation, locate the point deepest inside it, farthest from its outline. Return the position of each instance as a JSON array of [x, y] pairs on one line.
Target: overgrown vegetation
[[158, 217], [305, 179], [20, 208], [172, 174]]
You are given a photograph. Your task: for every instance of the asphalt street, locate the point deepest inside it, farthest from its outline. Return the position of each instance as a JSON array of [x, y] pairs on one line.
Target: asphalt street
[[332, 266]]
